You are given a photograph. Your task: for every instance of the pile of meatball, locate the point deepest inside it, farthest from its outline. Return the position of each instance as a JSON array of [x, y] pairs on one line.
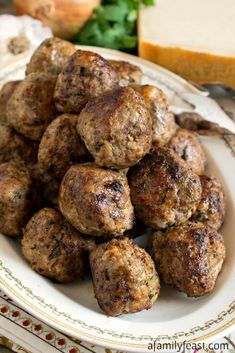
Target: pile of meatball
[[91, 159]]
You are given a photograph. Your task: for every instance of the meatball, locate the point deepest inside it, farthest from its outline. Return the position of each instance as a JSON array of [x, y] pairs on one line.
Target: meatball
[[189, 257], [128, 73], [51, 56], [30, 108], [18, 198], [5, 93], [187, 145], [116, 128], [85, 75], [189, 120], [96, 201], [164, 190], [211, 209], [15, 147], [158, 106], [53, 247], [124, 277], [61, 146]]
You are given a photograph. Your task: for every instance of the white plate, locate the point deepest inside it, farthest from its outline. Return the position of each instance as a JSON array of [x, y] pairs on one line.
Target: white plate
[[174, 317]]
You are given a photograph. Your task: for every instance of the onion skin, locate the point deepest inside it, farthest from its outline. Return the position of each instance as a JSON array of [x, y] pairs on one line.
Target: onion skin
[[64, 17]]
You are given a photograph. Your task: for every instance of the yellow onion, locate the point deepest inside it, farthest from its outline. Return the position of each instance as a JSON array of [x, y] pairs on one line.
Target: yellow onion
[[64, 17]]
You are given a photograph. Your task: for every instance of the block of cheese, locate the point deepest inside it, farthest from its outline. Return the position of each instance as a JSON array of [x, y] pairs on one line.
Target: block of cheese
[[193, 38]]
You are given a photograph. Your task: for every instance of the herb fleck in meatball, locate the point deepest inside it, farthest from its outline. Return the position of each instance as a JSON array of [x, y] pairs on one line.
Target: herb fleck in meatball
[[15, 147], [19, 198], [96, 201], [53, 247], [85, 75], [61, 146], [187, 145], [128, 73], [124, 277], [158, 106], [189, 257], [164, 190], [51, 56], [211, 209], [30, 108], [116, 128], [5, 94]]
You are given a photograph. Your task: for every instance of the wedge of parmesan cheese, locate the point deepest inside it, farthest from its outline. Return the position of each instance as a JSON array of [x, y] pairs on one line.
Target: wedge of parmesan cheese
[[193, 38]]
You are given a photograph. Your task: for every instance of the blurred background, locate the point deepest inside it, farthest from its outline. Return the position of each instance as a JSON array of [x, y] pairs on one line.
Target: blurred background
[[183, 36], [6, 6], [110, 23]]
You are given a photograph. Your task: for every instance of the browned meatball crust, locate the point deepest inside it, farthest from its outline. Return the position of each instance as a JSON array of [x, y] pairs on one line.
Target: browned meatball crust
[[19, 198], [85, 75], [211, 209], [164, 190], [128, 73], [5, 93], [61, 146], [124, 277], [15, 147], [158, 106], [51, 56], [189, 257], [53, 247], [116, 128], [96, 201], [30, 108], [187, 145]]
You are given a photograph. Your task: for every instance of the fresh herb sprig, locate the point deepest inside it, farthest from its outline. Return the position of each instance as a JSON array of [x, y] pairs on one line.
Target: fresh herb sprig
[[113, 25]]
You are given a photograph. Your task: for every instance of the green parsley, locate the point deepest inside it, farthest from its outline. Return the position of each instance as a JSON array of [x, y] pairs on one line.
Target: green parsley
[[113, 25]]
